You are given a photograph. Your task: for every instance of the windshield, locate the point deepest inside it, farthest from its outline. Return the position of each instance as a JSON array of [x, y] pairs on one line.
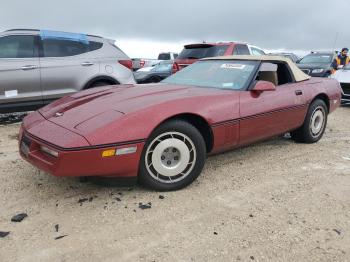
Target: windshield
[[221, 74], [164, 56], [203, 51], [316, 59]]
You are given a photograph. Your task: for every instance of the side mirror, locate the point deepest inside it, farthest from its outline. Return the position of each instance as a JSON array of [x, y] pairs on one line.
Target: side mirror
[[262, 86]]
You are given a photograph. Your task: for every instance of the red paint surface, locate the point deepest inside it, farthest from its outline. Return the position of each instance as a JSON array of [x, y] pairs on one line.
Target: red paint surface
[[119, 114]]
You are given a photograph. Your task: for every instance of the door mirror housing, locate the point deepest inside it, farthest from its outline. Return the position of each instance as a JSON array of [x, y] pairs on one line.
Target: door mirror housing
[[262, 86]]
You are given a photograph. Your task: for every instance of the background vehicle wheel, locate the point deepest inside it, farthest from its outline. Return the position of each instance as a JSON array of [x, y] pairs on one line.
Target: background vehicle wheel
[[173, 156], [314, 125], [100, 83], [155, 79]]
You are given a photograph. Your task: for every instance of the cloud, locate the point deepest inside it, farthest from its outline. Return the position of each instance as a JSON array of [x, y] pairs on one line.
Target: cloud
[[270, 24]]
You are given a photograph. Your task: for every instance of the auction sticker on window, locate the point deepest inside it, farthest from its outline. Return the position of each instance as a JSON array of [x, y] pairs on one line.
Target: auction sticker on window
[[233, 66], [11, 93]]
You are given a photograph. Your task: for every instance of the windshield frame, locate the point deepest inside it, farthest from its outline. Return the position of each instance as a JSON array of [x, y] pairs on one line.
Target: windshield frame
[[246, 87]]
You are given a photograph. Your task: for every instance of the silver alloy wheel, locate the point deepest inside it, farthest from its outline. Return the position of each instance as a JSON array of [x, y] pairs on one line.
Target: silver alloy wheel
[[317, 121], [170, 157]]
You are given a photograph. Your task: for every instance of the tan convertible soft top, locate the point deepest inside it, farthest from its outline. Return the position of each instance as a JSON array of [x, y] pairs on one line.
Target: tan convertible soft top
[[298, 74]]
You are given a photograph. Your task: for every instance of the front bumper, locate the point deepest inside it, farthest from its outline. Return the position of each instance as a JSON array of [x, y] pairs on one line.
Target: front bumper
[[85, 161], [310, 73], [345, 94]]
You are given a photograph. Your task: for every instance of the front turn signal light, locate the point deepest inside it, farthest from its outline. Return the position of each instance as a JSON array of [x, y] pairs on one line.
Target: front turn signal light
[[108, 153]]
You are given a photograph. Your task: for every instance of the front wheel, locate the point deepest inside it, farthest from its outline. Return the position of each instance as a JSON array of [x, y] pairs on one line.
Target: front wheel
[[314, 125], [173, 157]]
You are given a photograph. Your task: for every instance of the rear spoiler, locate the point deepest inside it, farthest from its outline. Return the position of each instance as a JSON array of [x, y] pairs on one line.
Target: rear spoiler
[[192, 46]]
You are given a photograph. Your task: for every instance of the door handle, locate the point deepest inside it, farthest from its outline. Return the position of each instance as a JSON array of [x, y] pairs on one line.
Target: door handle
[[87, 64], [29, 67], [299, 92]]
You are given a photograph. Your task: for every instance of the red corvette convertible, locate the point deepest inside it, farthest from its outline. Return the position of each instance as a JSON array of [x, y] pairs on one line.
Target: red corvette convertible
[[162, 133]]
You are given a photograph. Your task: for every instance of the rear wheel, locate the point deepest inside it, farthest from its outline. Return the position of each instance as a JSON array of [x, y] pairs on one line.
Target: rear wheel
[[314, 125], [173, 157]]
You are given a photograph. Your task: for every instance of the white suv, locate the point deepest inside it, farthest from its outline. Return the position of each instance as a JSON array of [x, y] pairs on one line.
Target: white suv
[[39, 66]]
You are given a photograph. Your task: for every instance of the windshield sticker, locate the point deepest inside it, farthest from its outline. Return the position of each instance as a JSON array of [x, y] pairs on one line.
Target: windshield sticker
[[11, 93], [227, 84], [233, 66]]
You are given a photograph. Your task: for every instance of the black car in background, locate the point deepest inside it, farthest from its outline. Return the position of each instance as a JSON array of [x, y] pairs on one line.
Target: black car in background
[[154, 74], [317, 63]]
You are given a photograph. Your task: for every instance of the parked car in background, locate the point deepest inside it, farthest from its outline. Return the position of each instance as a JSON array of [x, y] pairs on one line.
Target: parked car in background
[[155, 73], [343, 77], [39, 66], [317, 64], [162, 134], [138, 63], [193, 52], [291, 56]]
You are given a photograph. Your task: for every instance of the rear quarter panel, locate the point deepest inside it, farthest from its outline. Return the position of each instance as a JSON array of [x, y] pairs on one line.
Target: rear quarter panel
[[322, 86]]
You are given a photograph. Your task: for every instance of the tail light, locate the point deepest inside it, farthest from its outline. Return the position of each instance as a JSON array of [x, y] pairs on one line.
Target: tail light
[[126, 63], [175, 68], [142, 63]]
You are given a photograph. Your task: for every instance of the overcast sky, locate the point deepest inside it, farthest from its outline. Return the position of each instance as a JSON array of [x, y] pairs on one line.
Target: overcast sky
[[147, 27]]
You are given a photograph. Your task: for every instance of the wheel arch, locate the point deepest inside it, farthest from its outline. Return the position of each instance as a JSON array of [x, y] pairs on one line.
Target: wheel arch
[[103, 78], [198, 122], [324, 98]]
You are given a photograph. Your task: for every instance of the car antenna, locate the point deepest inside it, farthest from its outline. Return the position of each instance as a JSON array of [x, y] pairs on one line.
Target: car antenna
[[335, 42]]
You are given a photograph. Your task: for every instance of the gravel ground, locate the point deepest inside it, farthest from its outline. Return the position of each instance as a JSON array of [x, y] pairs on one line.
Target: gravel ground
[[273, 201]]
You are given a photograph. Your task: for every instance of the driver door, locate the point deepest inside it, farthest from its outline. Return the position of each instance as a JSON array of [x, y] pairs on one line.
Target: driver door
[[271, 113], [19, 70]]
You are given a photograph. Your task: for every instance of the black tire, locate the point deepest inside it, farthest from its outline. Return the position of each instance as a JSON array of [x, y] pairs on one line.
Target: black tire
[[100, 83], [305, 133], [155, 79], [172, 132]]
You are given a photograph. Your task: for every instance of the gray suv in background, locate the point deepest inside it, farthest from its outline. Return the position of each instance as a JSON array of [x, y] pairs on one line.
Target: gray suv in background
[[39, 66]]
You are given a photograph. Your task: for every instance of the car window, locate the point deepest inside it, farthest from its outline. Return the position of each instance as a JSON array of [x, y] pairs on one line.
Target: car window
[[175, 56], [256, 51], [165, 56], [202, 51], [95, 46], [279, 76], [62, 47], [220, 74], [18, 46], [241, 50]]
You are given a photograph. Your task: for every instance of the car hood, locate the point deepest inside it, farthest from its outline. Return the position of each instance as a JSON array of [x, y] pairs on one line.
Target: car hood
[[314, 66], [142, 74], [343, 76], [145, 69], [113, 102]]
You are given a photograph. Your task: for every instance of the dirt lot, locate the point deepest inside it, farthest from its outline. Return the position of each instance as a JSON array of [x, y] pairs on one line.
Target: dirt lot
[[274, 201]]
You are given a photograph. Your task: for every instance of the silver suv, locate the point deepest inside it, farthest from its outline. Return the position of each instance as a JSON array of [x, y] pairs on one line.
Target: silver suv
[[39, 66]]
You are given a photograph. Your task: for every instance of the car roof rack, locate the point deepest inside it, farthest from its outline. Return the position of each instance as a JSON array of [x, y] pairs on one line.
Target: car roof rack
[[38, 30], [22, 29]]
